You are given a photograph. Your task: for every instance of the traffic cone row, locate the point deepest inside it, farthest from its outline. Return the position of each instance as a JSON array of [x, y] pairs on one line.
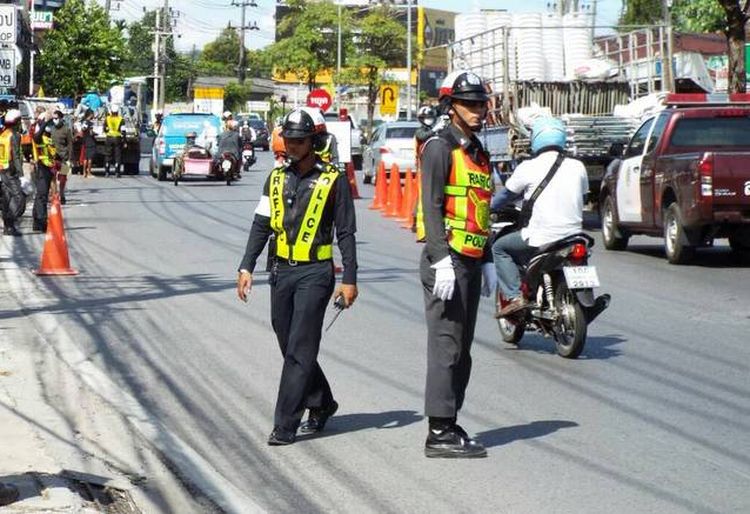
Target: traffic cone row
[[393, 200]]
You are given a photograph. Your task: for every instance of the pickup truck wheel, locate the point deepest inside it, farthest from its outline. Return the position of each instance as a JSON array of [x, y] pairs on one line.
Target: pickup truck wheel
[[676, 250], [613, 238]]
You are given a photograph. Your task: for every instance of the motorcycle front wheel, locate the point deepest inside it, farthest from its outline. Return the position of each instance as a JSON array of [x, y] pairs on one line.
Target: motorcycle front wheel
[[570, 329]]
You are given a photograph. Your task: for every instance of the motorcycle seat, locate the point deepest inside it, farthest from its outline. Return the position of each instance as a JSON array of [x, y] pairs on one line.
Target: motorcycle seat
[[562, 243]]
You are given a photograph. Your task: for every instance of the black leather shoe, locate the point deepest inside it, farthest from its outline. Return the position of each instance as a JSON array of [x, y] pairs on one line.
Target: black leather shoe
[[11, 231], [452, 443], [316, 420], [280, 437], [8, 494]]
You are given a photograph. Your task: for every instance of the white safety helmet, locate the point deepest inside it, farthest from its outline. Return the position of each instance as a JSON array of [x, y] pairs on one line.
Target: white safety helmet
[[227, 115], [12, 117], [114, 109]]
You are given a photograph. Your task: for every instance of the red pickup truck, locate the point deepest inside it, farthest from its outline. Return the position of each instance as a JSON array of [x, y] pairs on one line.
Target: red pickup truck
[[685, 176]]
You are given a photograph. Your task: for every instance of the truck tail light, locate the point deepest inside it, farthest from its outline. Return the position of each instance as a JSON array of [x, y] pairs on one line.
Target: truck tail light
[[162, 147], [706, 174]]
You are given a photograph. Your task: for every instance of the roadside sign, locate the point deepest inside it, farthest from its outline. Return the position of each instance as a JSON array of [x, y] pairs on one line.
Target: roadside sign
[[208, 99], [388, 99], [343, 132], [319, 98], [7, 67], [256, 105], [42, 20], [8, 24]]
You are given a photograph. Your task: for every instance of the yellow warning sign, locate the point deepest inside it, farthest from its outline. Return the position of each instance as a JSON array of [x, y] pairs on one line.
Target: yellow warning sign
[[209, 93], [388, 99]]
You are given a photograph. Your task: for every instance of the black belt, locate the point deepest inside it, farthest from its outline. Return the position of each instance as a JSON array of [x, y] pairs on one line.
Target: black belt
[[292, 263]]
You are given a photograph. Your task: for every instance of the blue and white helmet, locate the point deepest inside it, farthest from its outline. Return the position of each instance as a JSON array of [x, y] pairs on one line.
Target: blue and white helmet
[[548, 133]]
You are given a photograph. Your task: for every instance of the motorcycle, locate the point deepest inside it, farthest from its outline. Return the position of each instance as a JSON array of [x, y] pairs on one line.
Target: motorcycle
[[228, 167], [560, 285], [248, 155]]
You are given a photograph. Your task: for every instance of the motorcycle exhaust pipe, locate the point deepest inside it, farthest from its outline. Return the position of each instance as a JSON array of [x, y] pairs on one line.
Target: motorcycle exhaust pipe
[[600, 304]]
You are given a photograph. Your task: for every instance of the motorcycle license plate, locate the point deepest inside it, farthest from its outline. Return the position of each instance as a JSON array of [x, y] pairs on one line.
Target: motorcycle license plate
[[247, 154], [581, 277], [226, 165]]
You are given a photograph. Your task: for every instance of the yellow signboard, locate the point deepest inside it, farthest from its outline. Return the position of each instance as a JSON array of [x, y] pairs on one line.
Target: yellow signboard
[[209, 93], [388, 98]]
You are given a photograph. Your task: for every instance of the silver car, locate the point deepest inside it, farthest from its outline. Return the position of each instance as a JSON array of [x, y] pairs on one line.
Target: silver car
[[392, 143]]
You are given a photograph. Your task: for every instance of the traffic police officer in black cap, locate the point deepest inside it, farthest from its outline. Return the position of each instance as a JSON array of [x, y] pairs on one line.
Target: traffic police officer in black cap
[[456, 263], [302, 202]]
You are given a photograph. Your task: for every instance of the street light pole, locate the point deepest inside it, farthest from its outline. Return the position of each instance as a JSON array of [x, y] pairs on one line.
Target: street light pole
[[338, 63], [408, 60]]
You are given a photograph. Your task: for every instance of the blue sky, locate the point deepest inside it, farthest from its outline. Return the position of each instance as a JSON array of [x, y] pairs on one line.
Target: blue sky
[[200, 21]]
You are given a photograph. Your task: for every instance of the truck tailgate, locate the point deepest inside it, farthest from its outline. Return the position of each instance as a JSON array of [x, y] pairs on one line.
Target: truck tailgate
[[731, 179]]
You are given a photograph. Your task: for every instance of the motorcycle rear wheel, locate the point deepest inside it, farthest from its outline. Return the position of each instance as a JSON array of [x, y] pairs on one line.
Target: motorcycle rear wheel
[[570, 331]]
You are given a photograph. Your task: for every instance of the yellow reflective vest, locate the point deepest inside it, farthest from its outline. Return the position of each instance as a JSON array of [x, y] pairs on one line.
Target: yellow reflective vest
[[303, 242], [467, 204], [43, 152], [113, 126], [5, 148]]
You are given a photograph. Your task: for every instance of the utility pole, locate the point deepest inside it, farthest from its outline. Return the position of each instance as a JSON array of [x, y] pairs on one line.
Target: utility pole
[[31, 53], [666, 74], [242, 67], [157, 53], [408, 60], [167, 29]]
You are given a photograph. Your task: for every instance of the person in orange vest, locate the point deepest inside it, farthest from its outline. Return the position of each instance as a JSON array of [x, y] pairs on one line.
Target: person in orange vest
[[11, 171], [456, 262]]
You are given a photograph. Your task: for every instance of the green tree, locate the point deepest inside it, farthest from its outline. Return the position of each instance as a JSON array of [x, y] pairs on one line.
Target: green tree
[[139, 58], [236, 95], [220, 56], [641, 12], [308, 43], [381, 43], [82, 51], [698, 16], [736, 19]]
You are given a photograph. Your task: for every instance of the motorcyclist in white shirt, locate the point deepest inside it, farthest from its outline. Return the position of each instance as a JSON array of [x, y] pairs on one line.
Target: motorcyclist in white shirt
[[557, 212]]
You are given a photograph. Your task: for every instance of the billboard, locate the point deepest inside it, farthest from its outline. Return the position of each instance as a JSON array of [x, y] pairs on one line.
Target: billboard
[[435, 28]]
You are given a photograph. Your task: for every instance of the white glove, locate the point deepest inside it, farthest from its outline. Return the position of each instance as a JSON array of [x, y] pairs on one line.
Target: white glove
[[489, 278], [445, 279]]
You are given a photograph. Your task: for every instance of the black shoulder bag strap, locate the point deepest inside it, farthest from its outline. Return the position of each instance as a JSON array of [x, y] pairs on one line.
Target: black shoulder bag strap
[[528, 205]]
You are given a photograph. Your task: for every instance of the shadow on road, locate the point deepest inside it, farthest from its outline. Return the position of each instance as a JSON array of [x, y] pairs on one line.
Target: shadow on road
[[533, 430], [366, 420], [597, 347]]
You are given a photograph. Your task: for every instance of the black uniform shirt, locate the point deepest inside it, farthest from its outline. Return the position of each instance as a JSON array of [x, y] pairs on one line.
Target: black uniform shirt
[[338, 213], [436, 169]]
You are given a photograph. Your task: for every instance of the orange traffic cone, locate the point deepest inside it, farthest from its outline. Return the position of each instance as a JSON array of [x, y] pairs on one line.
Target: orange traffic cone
[[352, 180], [381, 191], [403, 213], [413, 199], [55, 260], [395, 196]]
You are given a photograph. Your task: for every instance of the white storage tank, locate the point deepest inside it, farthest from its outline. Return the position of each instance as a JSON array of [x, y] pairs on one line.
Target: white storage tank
[[468, 25], [495, 55], [552, 47], [578, 44], [528, 28]]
